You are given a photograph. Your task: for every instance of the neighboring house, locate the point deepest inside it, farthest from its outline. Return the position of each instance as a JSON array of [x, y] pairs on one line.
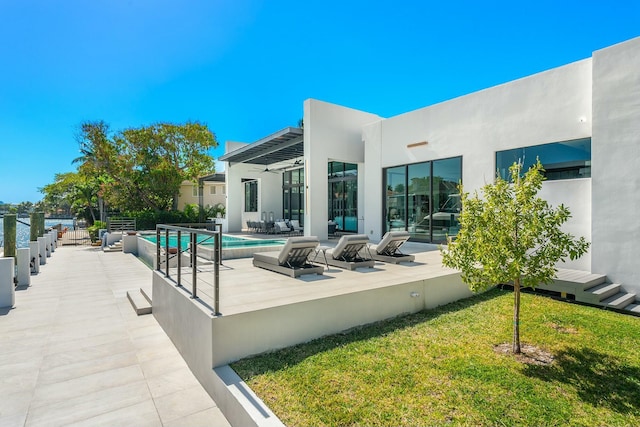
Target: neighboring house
[[370, 174], [209, 190]]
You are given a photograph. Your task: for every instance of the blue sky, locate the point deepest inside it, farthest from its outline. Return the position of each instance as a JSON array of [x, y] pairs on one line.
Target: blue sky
[[244, 67]]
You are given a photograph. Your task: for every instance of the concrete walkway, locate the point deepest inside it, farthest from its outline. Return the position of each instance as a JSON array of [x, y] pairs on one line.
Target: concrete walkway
[[73, 352]]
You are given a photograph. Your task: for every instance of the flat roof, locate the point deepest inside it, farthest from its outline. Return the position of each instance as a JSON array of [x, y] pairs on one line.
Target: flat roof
[[281, 146], [214, 177]]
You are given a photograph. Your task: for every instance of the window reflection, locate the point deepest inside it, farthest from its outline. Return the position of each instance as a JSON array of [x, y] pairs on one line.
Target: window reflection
[[343, 196], [395, 211], [423, 199], [561, 160], [293, 195]]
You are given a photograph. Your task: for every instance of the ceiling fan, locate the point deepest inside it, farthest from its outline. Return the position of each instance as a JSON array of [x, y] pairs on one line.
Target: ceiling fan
[[289, 166], [266, 169], [279, 169]]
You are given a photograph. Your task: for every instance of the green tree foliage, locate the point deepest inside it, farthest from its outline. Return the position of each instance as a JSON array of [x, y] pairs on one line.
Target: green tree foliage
[[24, 208], [511, 236], [137, 169], [152, 161], [98, 159], [72, 193]]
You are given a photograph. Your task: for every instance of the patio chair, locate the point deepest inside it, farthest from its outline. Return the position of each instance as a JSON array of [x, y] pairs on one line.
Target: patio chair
[[281, 227], [296, 226], [292, 259], [347, 255], [388, 250]]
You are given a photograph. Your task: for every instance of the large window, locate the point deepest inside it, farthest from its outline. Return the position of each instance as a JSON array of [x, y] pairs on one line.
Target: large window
[[251, 196], [293, 194], [423, 199], [343, 195], [561, 160]]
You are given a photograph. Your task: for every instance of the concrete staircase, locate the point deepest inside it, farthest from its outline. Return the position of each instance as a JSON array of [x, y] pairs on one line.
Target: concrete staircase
[[140, 300], [115, 247], [593, 289]]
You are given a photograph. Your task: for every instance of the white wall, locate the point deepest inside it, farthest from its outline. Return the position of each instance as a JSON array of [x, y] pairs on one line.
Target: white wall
[[235, 189], [331, 133], [575, 194], [239, 335], [615, 173], [547, 107], [269, 191]]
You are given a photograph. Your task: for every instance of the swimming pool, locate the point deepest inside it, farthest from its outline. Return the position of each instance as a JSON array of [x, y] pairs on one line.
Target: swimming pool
[[228, 242]]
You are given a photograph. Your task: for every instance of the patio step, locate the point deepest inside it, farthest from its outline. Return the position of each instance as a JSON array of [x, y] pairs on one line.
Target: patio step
[[599, 293], [115, 247], [577, 280], [620, 300], [140, 301]]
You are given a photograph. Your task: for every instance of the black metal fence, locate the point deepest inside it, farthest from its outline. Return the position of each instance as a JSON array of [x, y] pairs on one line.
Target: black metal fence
[[171, 245]]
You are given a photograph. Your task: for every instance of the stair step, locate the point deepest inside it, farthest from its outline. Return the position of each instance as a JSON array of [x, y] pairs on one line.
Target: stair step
[[635, 307], [574, 282], [115, 247], [620, 300], [604, 291], [146, 293], [139, 302], [578, 278]]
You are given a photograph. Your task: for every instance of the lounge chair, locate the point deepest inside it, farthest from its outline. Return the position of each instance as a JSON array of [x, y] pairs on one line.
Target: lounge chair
[[281, 227], [388, 250], [347, 255], [292, 259], [296, 226]]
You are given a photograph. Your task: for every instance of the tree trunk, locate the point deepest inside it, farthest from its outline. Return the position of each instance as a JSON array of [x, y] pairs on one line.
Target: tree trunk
[[103, 216], [516, 316], [174, 204]]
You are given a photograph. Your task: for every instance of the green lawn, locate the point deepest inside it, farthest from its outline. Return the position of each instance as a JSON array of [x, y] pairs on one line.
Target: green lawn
[[439, 367]]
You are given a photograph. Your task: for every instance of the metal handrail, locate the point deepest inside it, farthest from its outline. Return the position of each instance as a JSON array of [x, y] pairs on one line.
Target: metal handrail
[[193, 230]]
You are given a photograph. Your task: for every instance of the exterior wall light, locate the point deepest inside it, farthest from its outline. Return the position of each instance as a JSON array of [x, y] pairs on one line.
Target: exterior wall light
[[417, 144]]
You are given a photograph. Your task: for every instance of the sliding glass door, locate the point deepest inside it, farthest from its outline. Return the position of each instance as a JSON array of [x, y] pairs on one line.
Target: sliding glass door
[[293, 195], [343, 195], [423, 199]]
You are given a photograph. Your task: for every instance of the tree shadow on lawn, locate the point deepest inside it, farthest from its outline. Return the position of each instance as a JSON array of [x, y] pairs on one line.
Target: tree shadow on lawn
[[290, 356], [599, 379]]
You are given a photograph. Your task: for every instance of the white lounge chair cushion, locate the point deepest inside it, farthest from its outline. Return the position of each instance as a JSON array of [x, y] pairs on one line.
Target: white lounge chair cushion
[[348, 244], [282, 226], [294, 252], [390, 242]]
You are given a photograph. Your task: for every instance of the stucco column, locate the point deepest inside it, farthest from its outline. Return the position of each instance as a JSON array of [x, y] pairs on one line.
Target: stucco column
[[7, 288], [24, 272]]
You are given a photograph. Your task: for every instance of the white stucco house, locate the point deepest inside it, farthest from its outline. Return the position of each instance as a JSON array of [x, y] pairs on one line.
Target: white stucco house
[[370, 174]]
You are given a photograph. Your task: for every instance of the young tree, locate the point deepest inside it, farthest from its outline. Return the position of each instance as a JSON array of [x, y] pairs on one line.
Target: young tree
[[511, 236]]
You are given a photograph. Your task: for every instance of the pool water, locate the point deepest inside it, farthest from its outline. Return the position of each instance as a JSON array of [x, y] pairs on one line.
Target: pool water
[[227, 241]]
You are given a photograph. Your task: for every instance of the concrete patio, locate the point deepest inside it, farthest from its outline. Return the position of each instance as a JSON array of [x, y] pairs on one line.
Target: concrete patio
[[261, 310], [74, 352]]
